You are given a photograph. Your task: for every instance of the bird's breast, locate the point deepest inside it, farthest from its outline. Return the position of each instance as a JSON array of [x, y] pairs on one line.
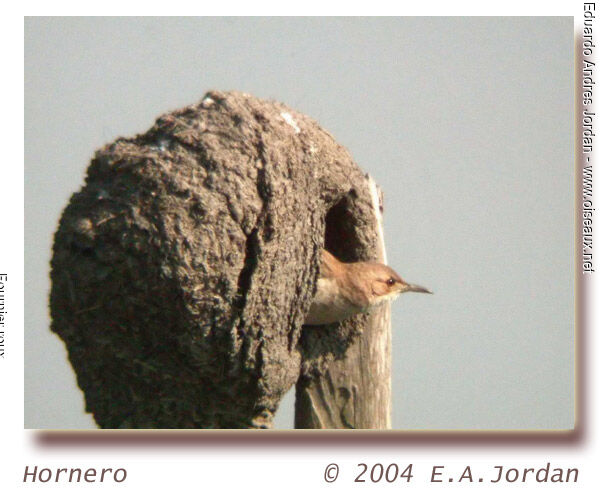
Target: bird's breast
[[330, 304]]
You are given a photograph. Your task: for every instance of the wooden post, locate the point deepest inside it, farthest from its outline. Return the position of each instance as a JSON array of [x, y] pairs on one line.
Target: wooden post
[[354, 392]]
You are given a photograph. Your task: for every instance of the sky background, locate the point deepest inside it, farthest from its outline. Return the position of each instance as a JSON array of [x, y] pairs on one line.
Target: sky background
[[466, 124]]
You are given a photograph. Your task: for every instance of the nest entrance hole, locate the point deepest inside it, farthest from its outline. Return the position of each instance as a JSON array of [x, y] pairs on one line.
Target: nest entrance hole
[[341, 230]]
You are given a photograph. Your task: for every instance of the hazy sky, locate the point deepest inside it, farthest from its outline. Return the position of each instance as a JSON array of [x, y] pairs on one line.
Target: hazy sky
[[467, 125]]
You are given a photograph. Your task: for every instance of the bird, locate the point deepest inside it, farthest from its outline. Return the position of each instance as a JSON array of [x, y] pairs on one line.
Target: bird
[[345, 289]]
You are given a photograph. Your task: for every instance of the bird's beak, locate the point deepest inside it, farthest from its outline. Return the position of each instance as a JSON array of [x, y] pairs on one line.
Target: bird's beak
[[415, 288]]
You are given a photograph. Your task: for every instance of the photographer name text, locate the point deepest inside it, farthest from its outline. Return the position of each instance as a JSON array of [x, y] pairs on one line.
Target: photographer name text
[[587, 137]]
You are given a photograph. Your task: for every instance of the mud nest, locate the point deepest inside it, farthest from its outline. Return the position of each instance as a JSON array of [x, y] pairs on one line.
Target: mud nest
[[182, 270]]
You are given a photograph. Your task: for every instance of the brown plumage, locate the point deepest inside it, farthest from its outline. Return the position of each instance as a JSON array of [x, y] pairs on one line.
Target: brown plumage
[[344, 289]]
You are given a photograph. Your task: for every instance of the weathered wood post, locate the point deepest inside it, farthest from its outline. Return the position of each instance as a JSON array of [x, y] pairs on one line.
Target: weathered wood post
[[183, 269], [354, 392]]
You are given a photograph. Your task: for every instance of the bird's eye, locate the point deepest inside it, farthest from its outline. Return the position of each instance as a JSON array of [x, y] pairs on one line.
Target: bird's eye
[[391, 281]]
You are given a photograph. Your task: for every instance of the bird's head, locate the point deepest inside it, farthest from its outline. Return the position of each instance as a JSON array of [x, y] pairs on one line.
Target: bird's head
[[344, 289], [383, 283]]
